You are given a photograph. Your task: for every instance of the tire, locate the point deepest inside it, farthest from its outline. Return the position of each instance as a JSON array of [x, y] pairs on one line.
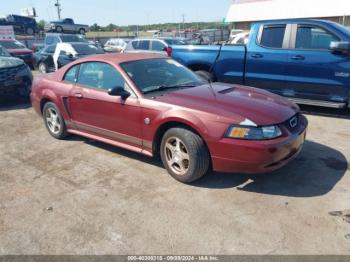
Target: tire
[[59, 29], [177, 145], [43, 68], [82, 31], [58, 131], [205, 75], [30, 31]]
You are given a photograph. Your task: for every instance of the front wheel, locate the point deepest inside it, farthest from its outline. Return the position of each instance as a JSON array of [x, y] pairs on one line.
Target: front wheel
[[54, 121], [59, 29], [43, 68], [184, 155]]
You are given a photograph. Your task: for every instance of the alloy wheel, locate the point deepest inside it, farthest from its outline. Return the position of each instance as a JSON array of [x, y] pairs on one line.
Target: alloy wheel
[[177, 156], [53, 121]]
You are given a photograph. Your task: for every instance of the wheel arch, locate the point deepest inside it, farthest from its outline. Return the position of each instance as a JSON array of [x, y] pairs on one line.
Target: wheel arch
[[173, 123]]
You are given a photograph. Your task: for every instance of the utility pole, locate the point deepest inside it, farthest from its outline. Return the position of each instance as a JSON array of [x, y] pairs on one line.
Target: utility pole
[[58, 6], [183, 22]]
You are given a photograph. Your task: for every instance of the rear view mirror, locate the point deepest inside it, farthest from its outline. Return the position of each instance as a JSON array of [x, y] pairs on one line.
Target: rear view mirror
[[119, 91], [340, 47]]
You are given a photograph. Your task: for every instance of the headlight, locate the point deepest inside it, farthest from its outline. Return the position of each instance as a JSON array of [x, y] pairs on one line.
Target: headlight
[[253, 133]]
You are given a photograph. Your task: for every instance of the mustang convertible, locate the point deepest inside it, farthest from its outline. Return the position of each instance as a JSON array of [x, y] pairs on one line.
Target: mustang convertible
[[155, 106]]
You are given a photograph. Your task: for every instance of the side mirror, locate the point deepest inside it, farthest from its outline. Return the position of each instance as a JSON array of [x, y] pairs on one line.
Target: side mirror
[[119, 91], [340, 47]]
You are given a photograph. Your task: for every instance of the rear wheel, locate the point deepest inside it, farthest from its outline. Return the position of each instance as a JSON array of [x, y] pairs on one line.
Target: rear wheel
[[184, 155], [205, 75], [82, 31], [30, 31], [54, 121], [59, 29]]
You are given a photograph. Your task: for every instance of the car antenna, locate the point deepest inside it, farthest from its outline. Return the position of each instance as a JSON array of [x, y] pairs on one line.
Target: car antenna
[[212, 69]]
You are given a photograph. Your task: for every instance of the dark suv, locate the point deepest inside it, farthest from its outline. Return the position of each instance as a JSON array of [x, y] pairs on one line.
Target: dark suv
[[21, 24]]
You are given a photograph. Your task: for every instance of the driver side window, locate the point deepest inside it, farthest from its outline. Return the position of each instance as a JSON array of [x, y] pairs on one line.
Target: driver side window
[[99, 75]]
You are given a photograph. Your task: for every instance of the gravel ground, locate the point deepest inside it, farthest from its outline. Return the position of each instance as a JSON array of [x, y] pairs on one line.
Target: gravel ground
[[82, 197]]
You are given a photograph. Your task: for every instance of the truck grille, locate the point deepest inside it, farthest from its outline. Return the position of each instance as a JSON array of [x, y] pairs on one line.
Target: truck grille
[[10, 73]]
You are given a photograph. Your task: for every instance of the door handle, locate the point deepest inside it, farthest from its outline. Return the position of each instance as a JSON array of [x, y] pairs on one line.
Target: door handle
[[79, 95], [298, 57], [257, 56]]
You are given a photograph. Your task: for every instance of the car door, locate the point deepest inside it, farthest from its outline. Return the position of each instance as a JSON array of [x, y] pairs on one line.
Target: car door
[[314, 72], [267, 58], [96, 112]]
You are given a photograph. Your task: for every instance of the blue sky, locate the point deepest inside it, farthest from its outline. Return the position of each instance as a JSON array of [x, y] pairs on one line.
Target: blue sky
[[124, 12]]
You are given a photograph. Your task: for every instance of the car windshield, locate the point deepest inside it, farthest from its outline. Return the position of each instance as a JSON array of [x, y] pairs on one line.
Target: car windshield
[[12, 44], [87, 49], [153, 75], [73, 38], [3, 52], [342, 28]]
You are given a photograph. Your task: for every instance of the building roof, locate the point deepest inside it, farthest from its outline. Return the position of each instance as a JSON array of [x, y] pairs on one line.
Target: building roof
[[262, 10]]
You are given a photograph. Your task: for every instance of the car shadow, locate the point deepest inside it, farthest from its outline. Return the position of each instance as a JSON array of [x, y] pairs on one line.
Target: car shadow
[[117, 150], [326, 112], [14, 103], [313, 173]]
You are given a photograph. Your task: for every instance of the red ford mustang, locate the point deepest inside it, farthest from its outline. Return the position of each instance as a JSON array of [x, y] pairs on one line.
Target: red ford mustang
[[155, 106]]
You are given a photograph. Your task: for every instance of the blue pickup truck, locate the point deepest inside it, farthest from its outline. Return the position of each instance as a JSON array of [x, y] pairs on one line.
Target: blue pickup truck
[[307, 61]]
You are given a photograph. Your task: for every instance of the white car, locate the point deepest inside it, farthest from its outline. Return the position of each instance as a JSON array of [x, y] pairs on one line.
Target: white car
[[115, 45], [240, 39]]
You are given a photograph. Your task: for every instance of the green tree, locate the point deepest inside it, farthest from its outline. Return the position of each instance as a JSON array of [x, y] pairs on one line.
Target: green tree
[[41, 25]]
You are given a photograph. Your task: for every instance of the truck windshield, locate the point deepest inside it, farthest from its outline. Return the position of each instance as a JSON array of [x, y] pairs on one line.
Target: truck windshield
[[343, 29], [73, 38], [153, 75]]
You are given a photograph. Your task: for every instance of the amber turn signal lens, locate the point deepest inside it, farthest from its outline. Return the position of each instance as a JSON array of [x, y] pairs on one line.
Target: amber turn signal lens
[[239, 132]]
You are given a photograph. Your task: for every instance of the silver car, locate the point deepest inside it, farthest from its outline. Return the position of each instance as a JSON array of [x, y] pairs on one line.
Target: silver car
[[154, 45], [116, 45]]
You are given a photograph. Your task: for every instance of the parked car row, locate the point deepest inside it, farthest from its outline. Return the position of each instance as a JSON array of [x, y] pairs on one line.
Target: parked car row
[[15, 76]]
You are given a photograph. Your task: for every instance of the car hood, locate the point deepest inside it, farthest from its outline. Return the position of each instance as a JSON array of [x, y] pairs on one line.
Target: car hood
[[7, 62], [234, 103]]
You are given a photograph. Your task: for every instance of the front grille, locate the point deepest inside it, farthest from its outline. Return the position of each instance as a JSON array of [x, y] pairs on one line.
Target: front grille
[[293, 123], [10, 73]]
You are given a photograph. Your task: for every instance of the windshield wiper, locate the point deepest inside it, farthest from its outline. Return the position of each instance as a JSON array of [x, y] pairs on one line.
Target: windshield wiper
[[162, 88]]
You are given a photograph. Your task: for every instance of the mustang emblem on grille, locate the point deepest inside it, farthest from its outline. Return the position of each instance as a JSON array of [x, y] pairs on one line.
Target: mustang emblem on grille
[[293, 122]]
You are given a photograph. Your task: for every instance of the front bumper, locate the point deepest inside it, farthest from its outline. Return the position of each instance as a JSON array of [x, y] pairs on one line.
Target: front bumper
[[253, 157], [12, 80]]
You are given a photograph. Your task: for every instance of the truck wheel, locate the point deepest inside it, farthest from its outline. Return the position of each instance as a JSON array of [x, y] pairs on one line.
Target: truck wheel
[[59, 29], [30, 31], [205, 75], [43, 68], [54, 121], [82, 31], [184, 155]]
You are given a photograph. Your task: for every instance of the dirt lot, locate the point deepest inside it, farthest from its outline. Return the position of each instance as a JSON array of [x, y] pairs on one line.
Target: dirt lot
[[83, 197]]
